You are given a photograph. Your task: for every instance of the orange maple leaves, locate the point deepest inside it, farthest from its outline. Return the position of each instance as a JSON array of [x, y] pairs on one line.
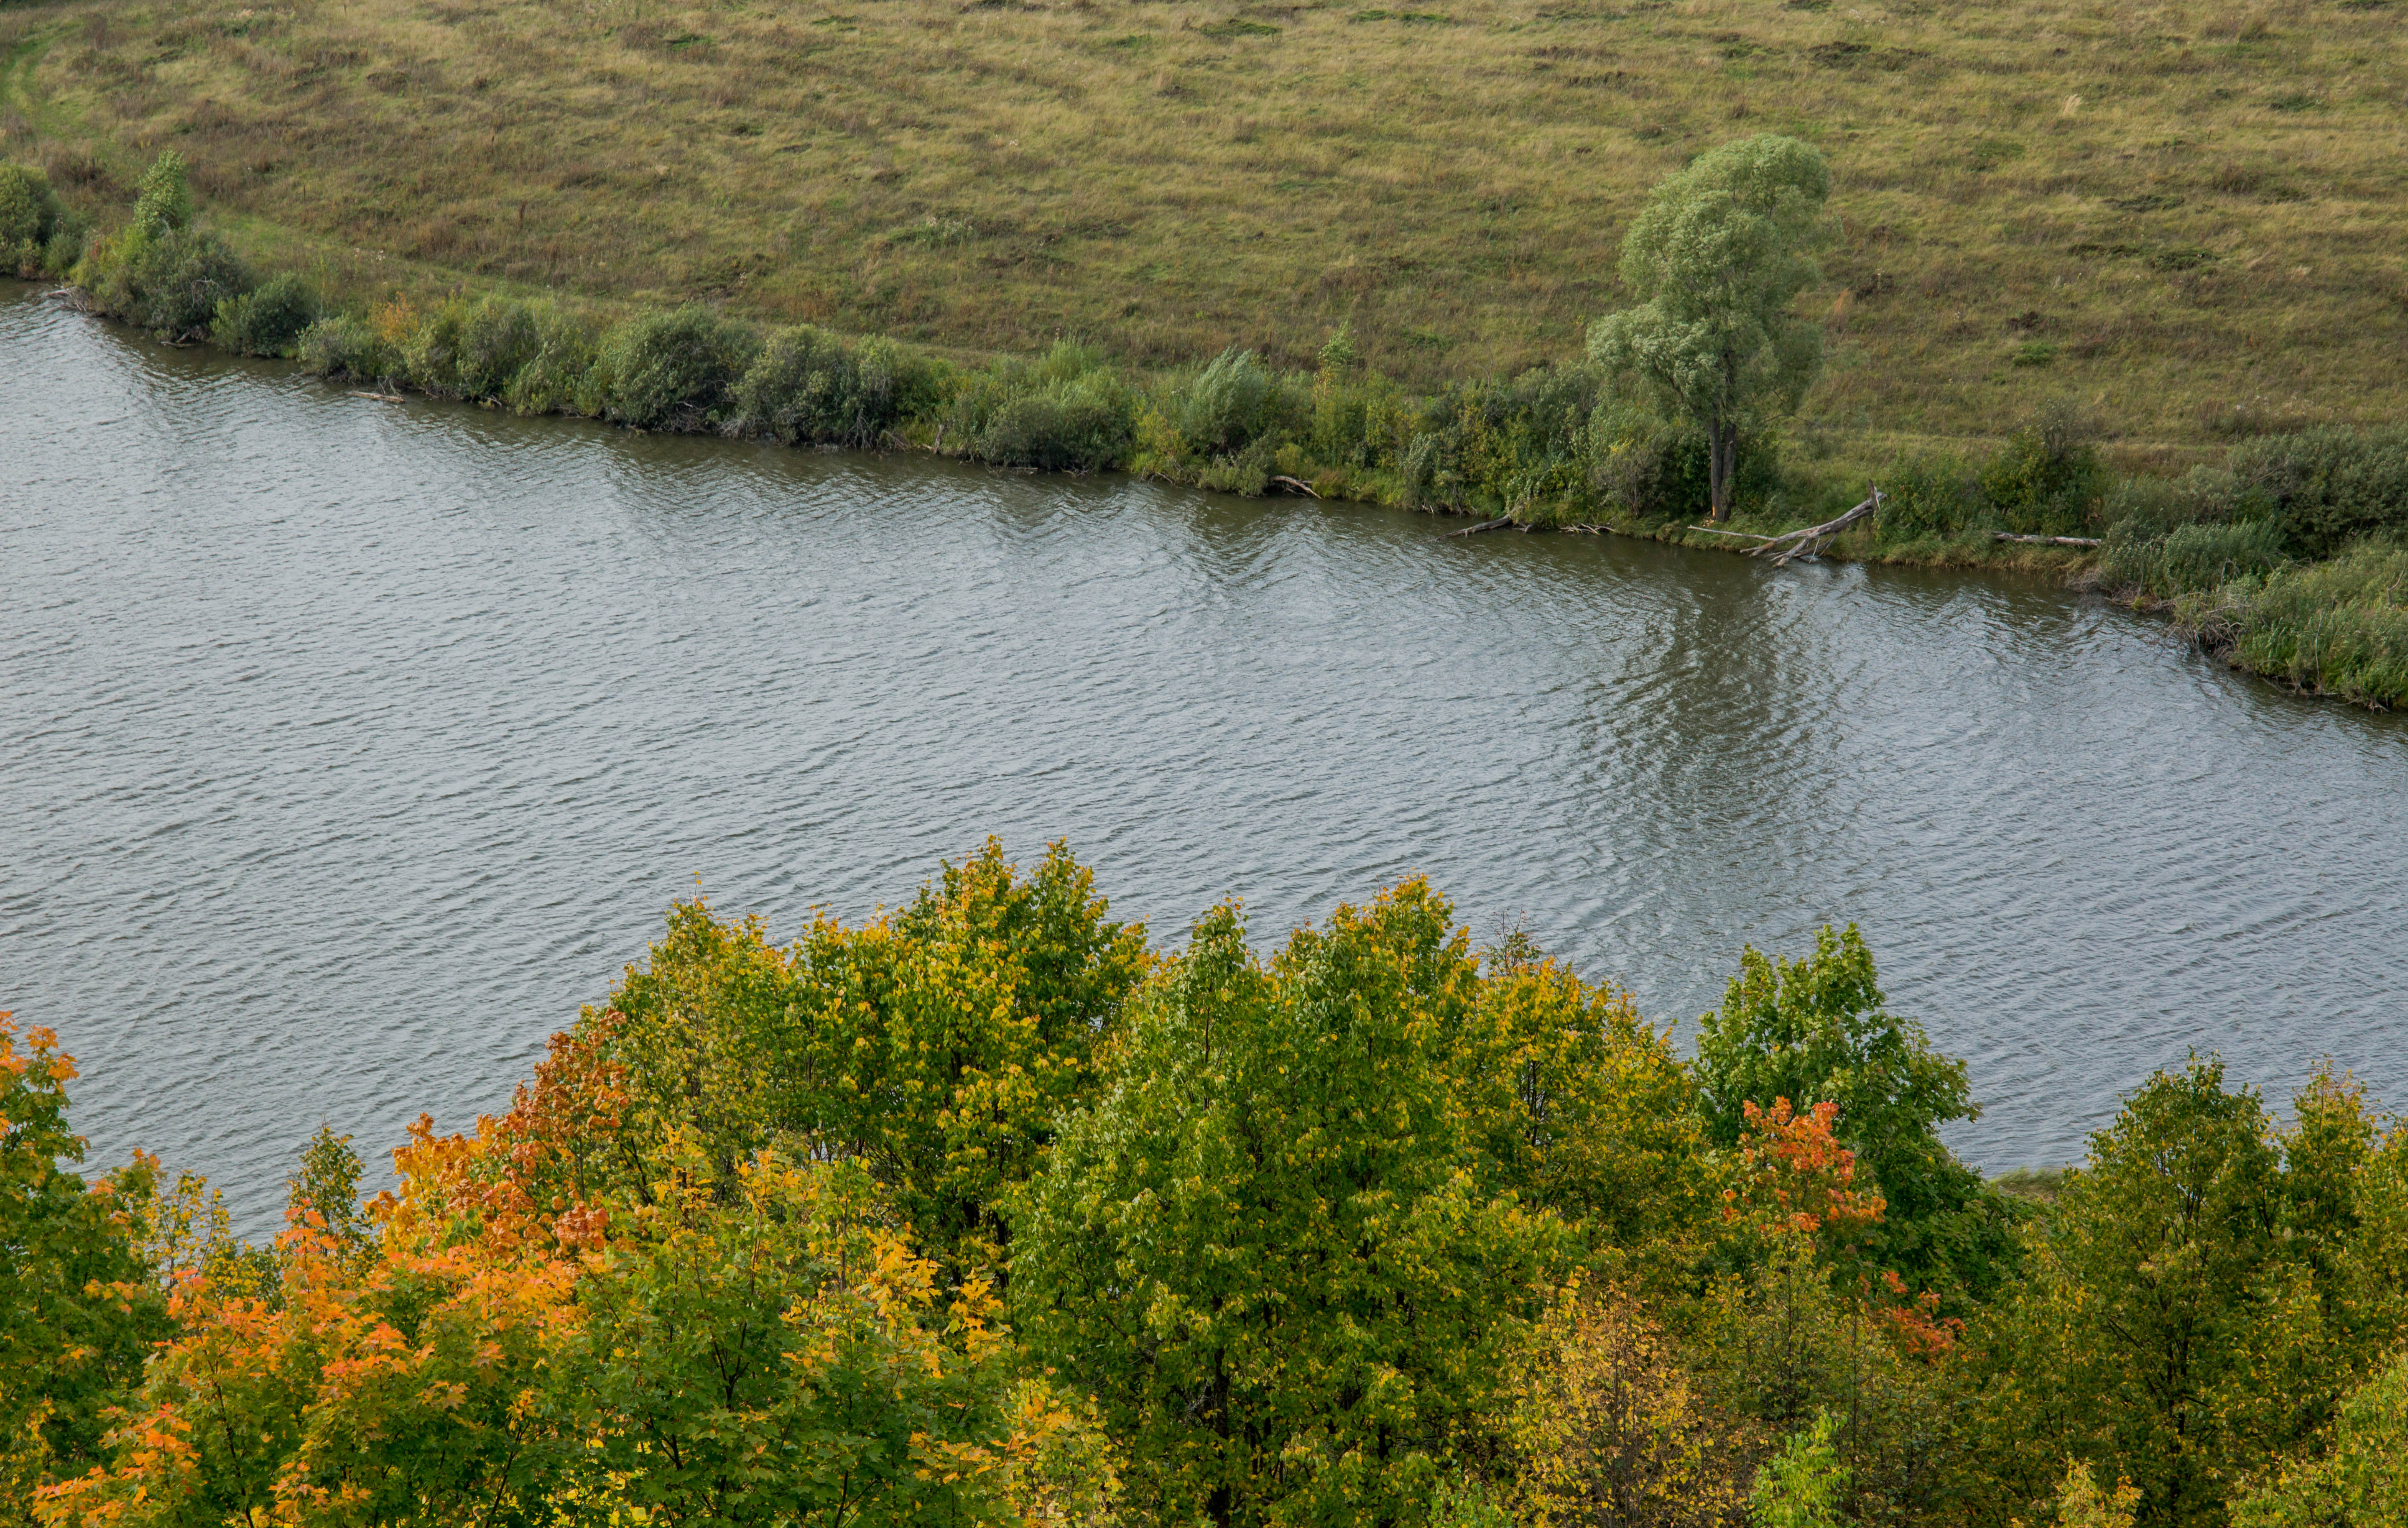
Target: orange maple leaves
[[1798, 1183]]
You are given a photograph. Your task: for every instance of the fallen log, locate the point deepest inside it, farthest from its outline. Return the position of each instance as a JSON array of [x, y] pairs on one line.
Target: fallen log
[[393, 397], [1748, 534], [1498, 524], [1286, 482], [2045, 540], [1791, 544]]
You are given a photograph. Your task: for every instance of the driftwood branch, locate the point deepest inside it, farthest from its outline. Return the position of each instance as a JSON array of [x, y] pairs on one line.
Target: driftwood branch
[[381, 397], [1498, 524], [1806, 542], [1747, 534], [2045, 540], [1286, 482]]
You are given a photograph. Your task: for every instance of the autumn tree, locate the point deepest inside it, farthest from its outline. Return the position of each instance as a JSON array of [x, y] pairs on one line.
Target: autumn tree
[[1576, 1104], [78, 1309], [1802, 1324], [1607, 1427], [946, 1039], [1818, 1029], [756, 1345], [936, 1045], [1717, 258]]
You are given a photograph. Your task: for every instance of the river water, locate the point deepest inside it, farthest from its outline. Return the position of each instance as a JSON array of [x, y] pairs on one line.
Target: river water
[[346, 748]]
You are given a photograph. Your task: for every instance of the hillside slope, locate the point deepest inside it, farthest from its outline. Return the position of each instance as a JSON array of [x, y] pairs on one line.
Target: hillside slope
[[2189, 217]]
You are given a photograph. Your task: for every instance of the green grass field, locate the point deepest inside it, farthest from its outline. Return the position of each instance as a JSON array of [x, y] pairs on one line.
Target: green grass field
[[2188, 218]]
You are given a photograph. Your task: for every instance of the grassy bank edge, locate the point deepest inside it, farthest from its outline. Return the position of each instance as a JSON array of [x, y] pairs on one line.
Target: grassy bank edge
[[2218, 625]]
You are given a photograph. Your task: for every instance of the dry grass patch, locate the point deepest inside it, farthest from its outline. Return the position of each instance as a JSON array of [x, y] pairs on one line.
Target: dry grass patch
[[2152, 209]]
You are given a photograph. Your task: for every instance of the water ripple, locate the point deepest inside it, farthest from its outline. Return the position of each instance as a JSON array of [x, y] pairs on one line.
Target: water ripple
[[345, 749]]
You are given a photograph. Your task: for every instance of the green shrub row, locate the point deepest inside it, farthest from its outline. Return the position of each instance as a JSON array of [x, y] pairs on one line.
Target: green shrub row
[[1557, 445]]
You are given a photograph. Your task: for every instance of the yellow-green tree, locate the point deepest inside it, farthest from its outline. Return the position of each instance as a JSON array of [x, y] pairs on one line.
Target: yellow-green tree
[[1607, 1428], [934, 1044], [77, 1308], [2206, 1292]]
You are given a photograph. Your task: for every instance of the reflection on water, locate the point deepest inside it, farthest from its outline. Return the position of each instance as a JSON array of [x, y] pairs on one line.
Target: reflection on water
[[346, 748]]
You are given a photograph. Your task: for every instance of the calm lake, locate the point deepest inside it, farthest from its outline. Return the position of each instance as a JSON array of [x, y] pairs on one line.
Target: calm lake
[[346, 748]]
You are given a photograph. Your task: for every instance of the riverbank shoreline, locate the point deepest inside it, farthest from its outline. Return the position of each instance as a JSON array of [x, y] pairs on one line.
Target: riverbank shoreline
[[2197, 621]]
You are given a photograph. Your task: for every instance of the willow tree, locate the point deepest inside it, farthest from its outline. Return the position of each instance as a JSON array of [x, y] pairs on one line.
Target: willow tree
[[1718, 259]]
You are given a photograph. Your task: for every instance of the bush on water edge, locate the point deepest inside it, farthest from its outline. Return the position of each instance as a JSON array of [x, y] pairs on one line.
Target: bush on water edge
[[2336, 628], [1569, 445]]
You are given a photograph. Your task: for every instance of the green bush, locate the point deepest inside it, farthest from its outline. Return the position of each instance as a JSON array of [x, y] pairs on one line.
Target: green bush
[[497, 340], [31, 218], [1067, 411], [1932, 497], [807, 388], [2047, 479], [2187, 559], [1080, 427], [676, 370], [2330, 486], [1520, 447], [1233, 402], [346, 348], [1646, 468], [267, 322], [173, 283], [1246, 472], [559, 373], [430, 352]]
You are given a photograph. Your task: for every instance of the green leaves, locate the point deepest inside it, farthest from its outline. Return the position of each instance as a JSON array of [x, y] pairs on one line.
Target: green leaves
[[935, 1046], [1270, 1248], [1799, 1486], [2206, 1292], [76, 1313], [1720, 254], [1818, 1029], [781, 1356]]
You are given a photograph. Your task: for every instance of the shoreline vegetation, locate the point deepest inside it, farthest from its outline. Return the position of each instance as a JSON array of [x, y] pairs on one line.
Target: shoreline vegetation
[[992, 1213], [2287, 559]]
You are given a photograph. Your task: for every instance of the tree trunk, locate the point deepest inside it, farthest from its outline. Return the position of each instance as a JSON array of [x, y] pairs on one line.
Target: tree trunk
[[1722, 464]]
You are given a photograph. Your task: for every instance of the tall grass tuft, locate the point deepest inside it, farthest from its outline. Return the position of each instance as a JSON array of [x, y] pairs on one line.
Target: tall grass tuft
[[2337, 628], [2188, 559]]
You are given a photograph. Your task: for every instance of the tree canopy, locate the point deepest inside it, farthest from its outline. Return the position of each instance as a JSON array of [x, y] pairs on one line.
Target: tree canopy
[[1718, 259], [981, 1214]]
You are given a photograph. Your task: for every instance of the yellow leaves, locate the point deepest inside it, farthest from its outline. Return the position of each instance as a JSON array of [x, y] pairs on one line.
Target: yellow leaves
[[1606, 1424]]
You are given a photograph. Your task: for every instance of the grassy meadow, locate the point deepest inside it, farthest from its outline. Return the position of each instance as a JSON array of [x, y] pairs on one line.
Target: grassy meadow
[[2184, 218]]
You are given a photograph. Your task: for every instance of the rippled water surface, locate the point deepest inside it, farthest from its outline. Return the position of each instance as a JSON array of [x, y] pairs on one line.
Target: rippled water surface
[[345, 748]]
